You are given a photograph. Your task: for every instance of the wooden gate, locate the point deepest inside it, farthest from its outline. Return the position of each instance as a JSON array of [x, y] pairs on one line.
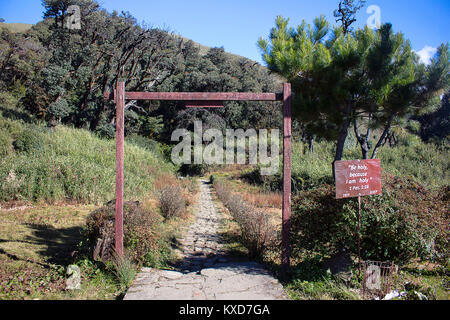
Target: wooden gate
[[205, 100]]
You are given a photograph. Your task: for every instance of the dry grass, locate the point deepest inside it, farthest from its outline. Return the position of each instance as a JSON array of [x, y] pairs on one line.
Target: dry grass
[[164, 180], [264, 200], [16, 27]]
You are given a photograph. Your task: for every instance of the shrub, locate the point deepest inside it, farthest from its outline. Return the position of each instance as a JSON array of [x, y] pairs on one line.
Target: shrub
[[139, 225], [194, 169], [146, 143], [59, 109], [257, 233], [106, 131], [406, 221], [172, 201]]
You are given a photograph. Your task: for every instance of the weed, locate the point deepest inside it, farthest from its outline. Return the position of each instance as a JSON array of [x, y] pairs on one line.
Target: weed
[[124, 270]]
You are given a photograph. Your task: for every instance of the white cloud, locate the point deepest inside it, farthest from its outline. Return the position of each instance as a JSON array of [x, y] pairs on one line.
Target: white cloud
[[426, 54]]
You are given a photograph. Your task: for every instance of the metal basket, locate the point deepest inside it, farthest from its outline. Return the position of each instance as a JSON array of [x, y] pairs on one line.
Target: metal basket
[[377, 277]]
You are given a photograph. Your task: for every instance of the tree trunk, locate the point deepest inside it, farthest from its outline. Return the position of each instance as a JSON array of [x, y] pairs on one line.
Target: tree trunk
[[342, 136], [341, 139], [363, 141], [383, 136]]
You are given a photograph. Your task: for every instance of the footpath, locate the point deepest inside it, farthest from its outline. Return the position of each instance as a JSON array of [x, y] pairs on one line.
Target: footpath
[[206, 272]]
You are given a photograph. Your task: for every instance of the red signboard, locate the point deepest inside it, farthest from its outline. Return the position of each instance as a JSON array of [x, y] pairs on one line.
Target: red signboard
[[357, 178]]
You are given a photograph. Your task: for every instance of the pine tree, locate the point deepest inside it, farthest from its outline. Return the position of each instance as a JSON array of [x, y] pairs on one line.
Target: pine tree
[[369, 78]]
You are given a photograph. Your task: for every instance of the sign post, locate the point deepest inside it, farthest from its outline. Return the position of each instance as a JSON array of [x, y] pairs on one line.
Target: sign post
[[358, 178]]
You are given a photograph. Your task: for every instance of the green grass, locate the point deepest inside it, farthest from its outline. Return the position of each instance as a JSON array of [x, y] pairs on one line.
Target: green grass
[[74, 165], [124, 270], [425, 163], [324, 289]]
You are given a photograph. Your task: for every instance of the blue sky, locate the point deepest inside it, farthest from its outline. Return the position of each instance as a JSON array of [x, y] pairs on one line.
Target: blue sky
[[237, 24]]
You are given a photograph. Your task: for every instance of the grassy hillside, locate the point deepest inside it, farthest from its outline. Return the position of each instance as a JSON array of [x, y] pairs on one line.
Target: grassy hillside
[[69, 164], [16, 27]]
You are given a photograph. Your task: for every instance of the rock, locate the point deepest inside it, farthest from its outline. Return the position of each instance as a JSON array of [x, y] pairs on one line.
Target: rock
[[172, 275]]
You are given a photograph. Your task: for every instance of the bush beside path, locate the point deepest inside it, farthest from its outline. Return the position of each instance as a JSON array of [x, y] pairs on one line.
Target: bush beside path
[[206, 272]]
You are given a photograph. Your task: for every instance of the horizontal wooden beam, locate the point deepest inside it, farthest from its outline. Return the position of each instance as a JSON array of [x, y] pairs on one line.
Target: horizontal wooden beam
[[200, 96], [204, 104]]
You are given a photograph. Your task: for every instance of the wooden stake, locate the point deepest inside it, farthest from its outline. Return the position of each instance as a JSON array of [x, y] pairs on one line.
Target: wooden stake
[[359, 231], [285, 242], [120, 105]]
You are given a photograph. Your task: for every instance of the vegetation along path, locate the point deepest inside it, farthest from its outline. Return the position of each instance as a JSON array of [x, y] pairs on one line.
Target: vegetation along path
[[206, 272]]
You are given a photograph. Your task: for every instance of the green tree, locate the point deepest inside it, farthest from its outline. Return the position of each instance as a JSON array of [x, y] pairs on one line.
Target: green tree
[[63, 74], [436, 125], [86, 63], [21, 58], [364, 78], [412, 89]]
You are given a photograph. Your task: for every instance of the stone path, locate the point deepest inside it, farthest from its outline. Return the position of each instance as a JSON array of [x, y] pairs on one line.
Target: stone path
[[207, 272]]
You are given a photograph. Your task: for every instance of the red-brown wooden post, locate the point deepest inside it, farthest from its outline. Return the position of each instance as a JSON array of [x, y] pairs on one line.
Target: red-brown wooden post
[[120, 105], [285, 241]]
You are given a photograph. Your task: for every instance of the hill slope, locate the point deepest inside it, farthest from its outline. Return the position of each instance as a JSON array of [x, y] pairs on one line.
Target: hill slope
[[16, 27], [69, 164]]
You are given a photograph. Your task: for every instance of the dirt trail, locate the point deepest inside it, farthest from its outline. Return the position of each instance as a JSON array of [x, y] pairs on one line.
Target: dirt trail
[[206, 272]]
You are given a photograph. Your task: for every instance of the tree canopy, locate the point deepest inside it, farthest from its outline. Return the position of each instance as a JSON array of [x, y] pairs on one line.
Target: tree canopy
[[64, 73], [361, 79]]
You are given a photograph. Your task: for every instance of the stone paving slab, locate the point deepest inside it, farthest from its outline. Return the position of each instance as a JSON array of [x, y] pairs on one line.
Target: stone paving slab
[[207, 272]]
